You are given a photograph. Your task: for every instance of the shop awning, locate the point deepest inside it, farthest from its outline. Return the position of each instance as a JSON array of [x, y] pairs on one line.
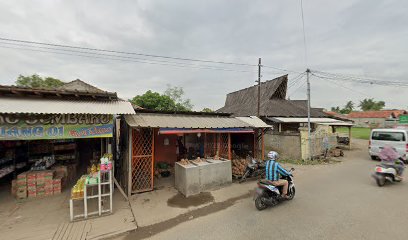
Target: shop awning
[[184, 121], [57, 106], [214, 130], [304, 120]]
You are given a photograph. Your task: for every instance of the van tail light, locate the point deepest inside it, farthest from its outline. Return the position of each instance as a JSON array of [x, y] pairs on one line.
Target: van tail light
[[406, 148], [378, 169]]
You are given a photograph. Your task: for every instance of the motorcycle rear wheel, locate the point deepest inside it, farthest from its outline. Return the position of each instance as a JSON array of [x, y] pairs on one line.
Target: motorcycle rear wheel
[[259, 204]]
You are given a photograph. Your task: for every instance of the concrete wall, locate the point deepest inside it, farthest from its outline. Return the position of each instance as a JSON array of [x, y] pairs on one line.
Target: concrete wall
[[369, 122], [286, 144], [317, 140]]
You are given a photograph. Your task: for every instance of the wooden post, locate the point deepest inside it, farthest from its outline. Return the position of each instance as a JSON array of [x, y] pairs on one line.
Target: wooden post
[[152, 173], [280, 127], [218, 144], [130, 156], [229, 146], [263, 145], [255, 142], [205, 143]]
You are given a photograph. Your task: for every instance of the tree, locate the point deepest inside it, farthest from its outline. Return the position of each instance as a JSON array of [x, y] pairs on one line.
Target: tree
[[349, 106], [176, 94], [335, 109], [35, 81], [154, 101], [207, 110], [368, 104]]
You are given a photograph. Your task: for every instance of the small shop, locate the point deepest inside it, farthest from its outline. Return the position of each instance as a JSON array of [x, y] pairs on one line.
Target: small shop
[[55, 141], [189, 151]]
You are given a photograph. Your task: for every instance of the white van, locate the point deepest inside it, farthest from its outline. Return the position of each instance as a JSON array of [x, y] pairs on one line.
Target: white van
[[396, 138]]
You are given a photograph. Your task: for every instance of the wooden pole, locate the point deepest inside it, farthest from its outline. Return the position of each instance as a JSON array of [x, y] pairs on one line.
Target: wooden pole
[[255, 142], [229, 146], [130, 156], [152, 173], [205, 145]]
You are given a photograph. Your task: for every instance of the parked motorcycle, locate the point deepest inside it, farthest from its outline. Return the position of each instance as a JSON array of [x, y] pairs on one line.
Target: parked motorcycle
[[385, 172], [254, 169], [268, 195]]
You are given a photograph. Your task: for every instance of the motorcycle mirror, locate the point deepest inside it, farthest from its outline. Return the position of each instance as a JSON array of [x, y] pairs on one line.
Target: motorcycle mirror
[[292, 169]]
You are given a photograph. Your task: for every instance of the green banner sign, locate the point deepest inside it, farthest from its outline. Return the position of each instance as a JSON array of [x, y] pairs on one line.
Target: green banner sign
[[403, 119], [55, 127]]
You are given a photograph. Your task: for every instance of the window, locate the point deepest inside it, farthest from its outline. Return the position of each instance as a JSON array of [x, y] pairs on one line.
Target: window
[[388, 136]]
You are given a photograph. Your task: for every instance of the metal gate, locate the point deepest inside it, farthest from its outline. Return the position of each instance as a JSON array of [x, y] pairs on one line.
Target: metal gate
[[142, 159], [223, 145]]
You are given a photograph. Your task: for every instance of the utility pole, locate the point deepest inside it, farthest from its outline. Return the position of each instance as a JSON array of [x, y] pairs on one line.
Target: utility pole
[[259, 88], [308, 114]]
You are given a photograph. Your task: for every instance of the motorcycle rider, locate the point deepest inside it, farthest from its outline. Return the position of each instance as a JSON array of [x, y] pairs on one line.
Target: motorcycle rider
[[390, 157], [273, 172]]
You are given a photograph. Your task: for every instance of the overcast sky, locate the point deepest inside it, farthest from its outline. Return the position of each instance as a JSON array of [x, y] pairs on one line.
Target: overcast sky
[[366, 37]]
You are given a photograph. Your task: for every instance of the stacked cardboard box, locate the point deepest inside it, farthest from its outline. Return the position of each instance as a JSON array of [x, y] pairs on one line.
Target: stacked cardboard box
[[32, 184], [56, 184], [48, 183], [40, 183], [13, 187], [21, 191]]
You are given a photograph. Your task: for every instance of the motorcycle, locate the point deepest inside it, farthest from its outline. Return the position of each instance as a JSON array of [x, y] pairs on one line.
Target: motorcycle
[[254, 169], [268, 195], [385, 172]]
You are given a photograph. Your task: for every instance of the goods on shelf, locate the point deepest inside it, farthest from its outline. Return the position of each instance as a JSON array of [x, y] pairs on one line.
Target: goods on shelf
[[41, 149], [64, 157], [106, 162], [44, 163], [70, 146], [239, 166], [6, 170], [77, 191]]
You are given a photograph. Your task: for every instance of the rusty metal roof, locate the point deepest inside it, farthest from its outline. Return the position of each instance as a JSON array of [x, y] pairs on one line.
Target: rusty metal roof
[[56, 106], [254, 121], [156, 120]]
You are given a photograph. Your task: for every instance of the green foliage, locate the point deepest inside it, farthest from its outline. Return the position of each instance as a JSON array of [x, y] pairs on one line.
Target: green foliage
[[171, 100], [348, 108], [207, 110], [176, 94], [154, 101], [369, 104], [35, 81]]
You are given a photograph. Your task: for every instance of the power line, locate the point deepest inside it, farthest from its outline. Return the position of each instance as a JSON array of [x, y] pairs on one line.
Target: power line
[[129, 60], [342, 86], [295, 80], [360, 79], [299, 87], [138, 54], [304, 32]]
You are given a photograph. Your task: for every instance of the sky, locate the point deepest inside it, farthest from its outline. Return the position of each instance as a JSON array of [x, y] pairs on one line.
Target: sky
[[365, 38]]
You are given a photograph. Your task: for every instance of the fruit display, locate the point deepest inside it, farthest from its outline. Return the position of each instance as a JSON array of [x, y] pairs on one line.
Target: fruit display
[[239, 166], [77, 191]]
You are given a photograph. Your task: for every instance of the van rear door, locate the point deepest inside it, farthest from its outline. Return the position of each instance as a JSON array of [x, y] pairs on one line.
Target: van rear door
[[395, 139]]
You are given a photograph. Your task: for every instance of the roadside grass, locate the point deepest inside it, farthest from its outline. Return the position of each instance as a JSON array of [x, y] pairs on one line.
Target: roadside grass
[[307, 162], [356, 132]]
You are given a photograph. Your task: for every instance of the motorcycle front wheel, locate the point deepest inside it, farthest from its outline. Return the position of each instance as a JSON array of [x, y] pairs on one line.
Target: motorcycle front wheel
[[244, 177], [259, 204], [291, 193], [380, 180]]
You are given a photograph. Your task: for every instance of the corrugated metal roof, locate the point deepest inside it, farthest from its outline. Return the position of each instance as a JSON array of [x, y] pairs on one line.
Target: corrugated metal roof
[[183, 121], [304, 120], [56, 106], [254, 121]]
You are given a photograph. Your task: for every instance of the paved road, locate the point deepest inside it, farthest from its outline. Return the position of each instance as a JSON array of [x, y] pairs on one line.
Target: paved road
[[335, 202]]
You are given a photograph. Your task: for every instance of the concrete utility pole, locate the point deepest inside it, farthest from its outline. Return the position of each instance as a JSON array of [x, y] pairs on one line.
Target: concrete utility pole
[[308, 114], [259, 88]]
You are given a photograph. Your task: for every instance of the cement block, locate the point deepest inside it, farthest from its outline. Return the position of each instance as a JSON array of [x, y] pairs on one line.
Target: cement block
[[187, 179], [215, 174]]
